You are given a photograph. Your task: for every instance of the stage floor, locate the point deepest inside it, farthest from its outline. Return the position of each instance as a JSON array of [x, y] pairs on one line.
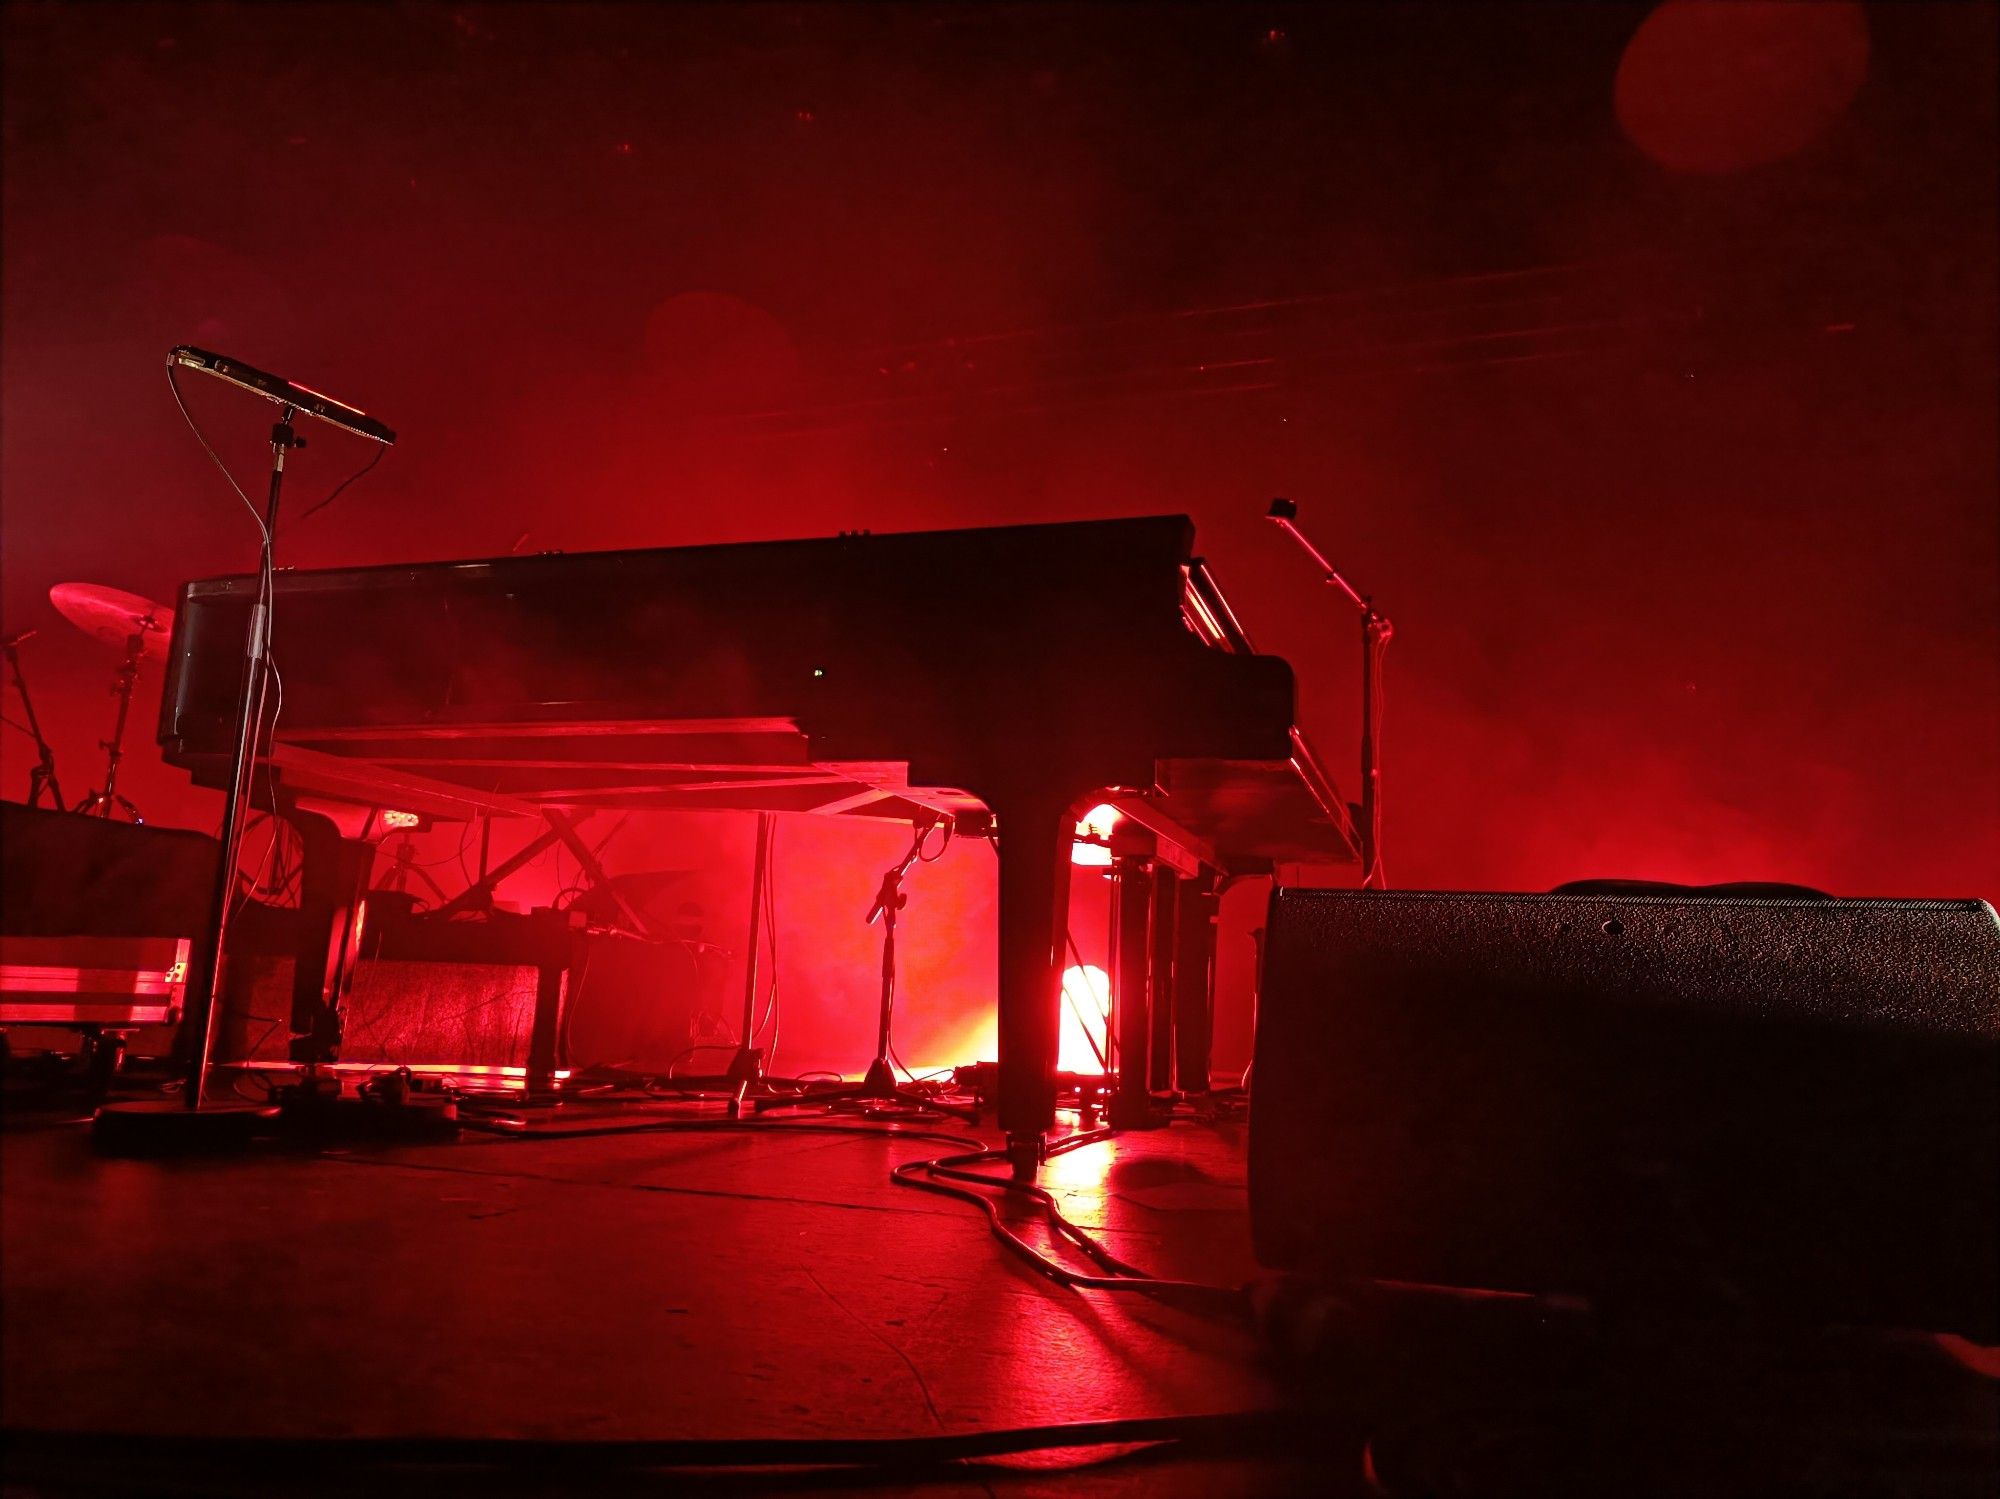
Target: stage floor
[[755, 1284], [775, 1283]]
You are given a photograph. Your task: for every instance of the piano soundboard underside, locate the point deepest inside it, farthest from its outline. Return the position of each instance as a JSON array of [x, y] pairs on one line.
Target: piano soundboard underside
[[1251, 815]]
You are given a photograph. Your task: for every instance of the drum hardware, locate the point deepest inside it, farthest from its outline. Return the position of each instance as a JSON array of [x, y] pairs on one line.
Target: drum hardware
[[141, 627], [42, 775]]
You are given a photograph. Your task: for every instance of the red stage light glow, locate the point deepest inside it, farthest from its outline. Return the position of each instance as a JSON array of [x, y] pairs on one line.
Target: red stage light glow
[[1086, 1016], [1092, 847], [1081, 1172]]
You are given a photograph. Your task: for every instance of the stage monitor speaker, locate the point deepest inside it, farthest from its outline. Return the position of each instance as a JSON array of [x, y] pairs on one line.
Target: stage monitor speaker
[[1782, 1108]]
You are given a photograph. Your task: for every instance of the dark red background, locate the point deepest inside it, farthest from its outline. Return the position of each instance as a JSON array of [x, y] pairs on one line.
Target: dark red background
[[1688, 526]]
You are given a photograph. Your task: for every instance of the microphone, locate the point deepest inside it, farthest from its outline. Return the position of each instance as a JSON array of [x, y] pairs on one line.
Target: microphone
[[890, 893], [284, 392]]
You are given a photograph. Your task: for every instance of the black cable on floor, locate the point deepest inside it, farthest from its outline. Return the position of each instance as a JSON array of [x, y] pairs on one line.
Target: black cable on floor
[[1186, 1294], [71, 1450], [936, 1176], [521, 1130]]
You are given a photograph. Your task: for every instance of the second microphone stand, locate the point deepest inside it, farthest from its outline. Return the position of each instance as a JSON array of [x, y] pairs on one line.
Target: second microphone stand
[[1376, 632], [879, 1084]]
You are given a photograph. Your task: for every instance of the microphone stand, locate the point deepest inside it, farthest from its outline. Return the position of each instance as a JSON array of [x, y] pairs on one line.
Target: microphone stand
[[42, 778], [146, 1127], [879, 1085], [203, 987], [1376, 632]]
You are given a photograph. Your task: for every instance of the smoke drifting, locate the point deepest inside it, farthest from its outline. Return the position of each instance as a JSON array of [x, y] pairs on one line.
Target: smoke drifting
[[1690, 538]]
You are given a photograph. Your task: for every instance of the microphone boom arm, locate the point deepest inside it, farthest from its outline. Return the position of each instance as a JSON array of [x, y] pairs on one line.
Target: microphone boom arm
[[1376, 633], [274, 388]]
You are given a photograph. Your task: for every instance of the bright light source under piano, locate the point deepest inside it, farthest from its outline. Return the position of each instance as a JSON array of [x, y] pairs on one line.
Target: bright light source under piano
[[1092, 849], [1086, 1013]]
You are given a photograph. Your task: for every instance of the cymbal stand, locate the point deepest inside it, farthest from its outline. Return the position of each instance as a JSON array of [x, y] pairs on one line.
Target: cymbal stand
[[1376, 632], [102, 803], [42, 777], [879, 1084]]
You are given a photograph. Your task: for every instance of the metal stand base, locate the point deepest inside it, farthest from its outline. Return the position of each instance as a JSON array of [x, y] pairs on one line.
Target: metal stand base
[[316, 1113], [879, 1085], [165, 1127], [745, 1083], [311, 1114]]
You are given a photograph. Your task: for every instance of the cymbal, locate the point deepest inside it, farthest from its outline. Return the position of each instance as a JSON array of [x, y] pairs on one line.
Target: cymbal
[[114, 616]]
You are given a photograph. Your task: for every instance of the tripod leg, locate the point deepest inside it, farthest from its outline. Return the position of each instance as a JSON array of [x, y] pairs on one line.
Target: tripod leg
[[41, 782], [43, 776]]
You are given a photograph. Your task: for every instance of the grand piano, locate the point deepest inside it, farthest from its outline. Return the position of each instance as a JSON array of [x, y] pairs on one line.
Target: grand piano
[[1016, 674]]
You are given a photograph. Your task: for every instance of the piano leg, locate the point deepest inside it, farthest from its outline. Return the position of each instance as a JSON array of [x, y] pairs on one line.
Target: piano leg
[[1132, 996], [333, 885], [1166, 918], [1194, 984], [1035, 835]]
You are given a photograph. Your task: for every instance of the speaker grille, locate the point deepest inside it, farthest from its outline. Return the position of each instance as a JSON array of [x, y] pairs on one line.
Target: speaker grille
[[1786, 1103]]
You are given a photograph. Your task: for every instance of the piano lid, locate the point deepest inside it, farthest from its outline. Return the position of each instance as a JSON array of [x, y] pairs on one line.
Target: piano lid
[[799, 675]]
